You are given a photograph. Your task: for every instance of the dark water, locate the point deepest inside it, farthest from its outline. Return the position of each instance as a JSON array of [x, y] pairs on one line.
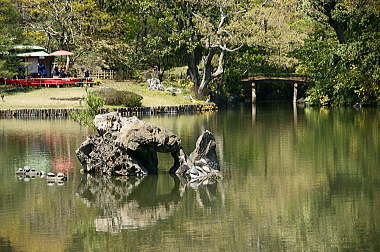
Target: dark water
[[304, 181]]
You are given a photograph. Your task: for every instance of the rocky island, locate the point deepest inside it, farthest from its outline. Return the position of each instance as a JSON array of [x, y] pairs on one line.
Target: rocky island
[[127, 146]]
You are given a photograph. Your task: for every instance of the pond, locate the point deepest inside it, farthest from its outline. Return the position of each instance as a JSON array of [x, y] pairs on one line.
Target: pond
[[294, 180]]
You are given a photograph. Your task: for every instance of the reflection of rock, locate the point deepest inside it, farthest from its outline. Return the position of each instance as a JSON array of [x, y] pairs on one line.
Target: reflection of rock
[[128, 202], [129, 146], [137, 202], [109, 193]]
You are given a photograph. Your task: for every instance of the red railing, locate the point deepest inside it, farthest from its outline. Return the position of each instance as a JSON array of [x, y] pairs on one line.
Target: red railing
[[48, 82]]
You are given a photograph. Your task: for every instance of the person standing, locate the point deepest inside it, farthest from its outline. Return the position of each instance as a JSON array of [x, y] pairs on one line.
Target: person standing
[[41, 69], [62, 73]]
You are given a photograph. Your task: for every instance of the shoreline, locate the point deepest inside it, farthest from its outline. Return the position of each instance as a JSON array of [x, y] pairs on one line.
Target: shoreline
[[62, 113]]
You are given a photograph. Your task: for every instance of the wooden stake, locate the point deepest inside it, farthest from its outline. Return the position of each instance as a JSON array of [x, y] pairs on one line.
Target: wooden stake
[[295, 90], [253, 93]]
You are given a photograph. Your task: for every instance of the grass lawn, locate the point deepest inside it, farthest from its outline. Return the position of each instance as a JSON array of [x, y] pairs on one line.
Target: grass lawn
[[41, 98]]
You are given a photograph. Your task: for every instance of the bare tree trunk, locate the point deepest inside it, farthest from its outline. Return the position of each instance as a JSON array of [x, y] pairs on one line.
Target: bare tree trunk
[[338, 26], [214, 46], [193, 69], [207, 71], [339, 29]]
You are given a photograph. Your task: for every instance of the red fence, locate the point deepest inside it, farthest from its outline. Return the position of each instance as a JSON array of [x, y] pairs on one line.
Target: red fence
[[48, 82]]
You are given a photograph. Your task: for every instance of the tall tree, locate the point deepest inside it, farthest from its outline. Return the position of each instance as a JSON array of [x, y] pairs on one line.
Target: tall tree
[[229, 25], [69, 24], [199, 33], [10, 34], [345, 68], [343, 16]]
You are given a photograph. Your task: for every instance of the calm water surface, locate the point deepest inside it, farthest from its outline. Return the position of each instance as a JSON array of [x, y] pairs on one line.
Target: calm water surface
[[306, 180]]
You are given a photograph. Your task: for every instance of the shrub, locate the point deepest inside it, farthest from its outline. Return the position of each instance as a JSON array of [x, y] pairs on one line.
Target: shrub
[[94, 103], [341, 74], [116, 97]]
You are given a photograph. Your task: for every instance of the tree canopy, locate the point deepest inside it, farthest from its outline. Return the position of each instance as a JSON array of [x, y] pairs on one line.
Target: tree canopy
[[334, 42]]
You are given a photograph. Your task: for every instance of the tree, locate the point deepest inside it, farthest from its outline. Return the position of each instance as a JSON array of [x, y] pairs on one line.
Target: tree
[[344, 16], [73, 25], [330, 12], [216, 38], [226, 26], [10, 34], [345, 68]]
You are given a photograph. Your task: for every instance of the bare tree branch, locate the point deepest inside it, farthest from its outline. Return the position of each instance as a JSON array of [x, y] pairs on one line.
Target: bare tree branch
[[224, 48], [266, 2], [220, 69]]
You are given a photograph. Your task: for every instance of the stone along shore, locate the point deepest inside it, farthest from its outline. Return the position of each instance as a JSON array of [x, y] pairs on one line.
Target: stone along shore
[[64, 112]]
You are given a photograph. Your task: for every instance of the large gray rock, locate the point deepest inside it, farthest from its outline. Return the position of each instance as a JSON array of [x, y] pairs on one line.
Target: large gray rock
[[203, 163], [155, 84], [126, 146], [112, 122], [129, 146], [101, 155], [205, 151]]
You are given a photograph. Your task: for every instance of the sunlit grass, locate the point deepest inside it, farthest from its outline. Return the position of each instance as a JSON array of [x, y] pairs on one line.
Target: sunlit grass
[[41, 98], [152, 98]]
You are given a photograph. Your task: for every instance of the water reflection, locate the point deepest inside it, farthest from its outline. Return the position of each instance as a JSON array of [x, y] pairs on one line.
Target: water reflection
[[138, 202], [45, 145], [310, 184]]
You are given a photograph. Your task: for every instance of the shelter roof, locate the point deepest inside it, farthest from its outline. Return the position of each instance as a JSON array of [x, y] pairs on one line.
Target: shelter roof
[[29, 47], [33, 54]]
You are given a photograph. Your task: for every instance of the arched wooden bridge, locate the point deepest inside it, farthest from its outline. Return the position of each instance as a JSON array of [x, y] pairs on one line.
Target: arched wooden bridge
[[295, 81]]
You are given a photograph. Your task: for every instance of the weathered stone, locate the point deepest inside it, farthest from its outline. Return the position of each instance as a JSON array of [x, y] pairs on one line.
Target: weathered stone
[[173, 90], [202, 163], [190, 98], [205, 151], [112, 122], [206, 169], [129, 146], [126, 146], [100, 155], [139, 135], [155, 84]]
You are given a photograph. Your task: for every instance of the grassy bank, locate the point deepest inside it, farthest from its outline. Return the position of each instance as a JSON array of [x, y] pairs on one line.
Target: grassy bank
[[60, 97]]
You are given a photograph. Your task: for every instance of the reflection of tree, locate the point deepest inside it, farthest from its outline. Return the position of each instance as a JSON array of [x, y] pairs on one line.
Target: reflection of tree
[[5, 245], [43, 144], [136, 202], [312, 184]]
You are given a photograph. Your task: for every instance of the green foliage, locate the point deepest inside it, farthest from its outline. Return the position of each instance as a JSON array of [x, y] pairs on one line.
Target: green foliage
[[343, 73], [115, 97], [10, 34], [94, 105], [334, 42], [95, 102], [250, 61], [75, 25]]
